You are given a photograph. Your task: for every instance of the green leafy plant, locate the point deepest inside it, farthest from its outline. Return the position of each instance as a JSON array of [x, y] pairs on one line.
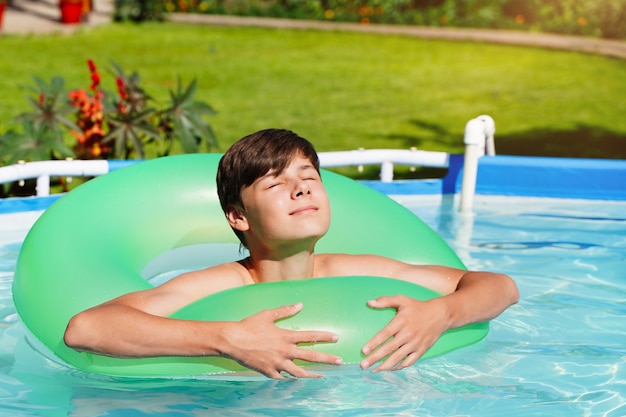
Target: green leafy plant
[[183, 119], [33, 143], [135, 124], [50, 107], [41, 136], [103, 125], [107, 125], [130, 117]]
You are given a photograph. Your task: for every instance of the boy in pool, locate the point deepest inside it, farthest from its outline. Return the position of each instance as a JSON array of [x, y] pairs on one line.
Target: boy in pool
[[271, 192]]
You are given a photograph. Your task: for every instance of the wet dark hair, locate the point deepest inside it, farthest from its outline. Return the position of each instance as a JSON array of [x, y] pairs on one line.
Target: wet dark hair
[[253, 156]]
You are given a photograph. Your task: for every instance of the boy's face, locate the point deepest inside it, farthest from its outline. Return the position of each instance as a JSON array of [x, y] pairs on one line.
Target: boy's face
[[286, 207]]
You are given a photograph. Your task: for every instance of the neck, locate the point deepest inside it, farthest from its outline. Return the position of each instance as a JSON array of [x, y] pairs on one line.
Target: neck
[[267, 267]]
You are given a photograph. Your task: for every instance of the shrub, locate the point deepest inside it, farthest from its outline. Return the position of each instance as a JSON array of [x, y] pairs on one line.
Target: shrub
[[138, 10], [605, 18], [106, 125]]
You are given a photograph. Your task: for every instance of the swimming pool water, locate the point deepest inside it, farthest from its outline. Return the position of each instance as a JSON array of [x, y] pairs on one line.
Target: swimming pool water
[[561, 351]]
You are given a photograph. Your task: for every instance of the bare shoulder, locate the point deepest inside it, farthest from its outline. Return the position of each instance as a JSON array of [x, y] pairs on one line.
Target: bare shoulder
[[208, 281], [186, 288], [439, 278]]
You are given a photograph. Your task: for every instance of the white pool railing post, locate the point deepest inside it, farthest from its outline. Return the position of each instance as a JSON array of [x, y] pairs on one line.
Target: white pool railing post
[[43, 185], [479, 133], [386, 171]]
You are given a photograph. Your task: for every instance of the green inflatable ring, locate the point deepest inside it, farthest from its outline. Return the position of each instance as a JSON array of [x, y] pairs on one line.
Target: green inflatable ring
[[106, 237]]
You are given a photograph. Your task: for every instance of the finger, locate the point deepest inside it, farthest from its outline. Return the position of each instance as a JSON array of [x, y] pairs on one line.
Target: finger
[[378, 354], [314, 356], [380, 338], [410, 360], [269, 372], [288, 370], [299, 372], [396, 341], [393, 362], [386, 301], [388, 331], [312, 336], [401, 358], [282, 312], [275, 375]]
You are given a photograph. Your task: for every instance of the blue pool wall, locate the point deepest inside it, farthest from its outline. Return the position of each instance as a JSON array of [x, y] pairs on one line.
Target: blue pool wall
[[592, 179]]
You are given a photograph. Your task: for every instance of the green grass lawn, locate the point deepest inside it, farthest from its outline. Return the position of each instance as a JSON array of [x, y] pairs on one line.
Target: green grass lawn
[[348, 90]]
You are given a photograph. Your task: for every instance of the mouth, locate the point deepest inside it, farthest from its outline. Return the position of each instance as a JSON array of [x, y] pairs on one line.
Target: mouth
[[303, 210]]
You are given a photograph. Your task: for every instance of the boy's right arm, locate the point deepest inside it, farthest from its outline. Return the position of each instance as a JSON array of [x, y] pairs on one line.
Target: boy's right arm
[[134, 325]]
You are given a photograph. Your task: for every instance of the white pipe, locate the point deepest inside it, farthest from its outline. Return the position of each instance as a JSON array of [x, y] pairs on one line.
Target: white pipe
[[378, 156], [490, 130], [386, 158], [479, 133], [45, 169], [72, 168]]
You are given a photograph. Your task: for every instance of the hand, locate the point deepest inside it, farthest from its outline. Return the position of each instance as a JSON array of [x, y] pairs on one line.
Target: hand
[[257, 343], [415, 328]]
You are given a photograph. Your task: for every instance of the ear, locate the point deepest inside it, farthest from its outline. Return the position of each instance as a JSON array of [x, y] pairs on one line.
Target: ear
[[237, 218]]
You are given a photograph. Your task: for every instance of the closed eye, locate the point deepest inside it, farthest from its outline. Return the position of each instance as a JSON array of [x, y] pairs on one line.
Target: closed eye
[[312, 175]]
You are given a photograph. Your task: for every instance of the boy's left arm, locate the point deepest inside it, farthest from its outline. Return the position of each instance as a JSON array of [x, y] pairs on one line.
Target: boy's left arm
[[478, 296]]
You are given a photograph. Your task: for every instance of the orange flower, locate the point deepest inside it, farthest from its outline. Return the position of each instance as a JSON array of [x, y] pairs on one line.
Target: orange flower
[[89, 118], [78, 97], [79, 136], [95, 130], [95, 150]]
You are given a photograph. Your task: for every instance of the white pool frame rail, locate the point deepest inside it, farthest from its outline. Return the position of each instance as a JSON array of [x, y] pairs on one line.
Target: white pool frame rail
[[43, 170], [386, 158], [478, 140]]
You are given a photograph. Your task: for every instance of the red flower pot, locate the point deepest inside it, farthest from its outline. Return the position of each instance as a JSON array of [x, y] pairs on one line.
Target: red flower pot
[[71, 11]]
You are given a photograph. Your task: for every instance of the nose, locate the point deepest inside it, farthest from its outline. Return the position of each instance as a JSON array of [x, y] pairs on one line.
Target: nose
[[301, 188]]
